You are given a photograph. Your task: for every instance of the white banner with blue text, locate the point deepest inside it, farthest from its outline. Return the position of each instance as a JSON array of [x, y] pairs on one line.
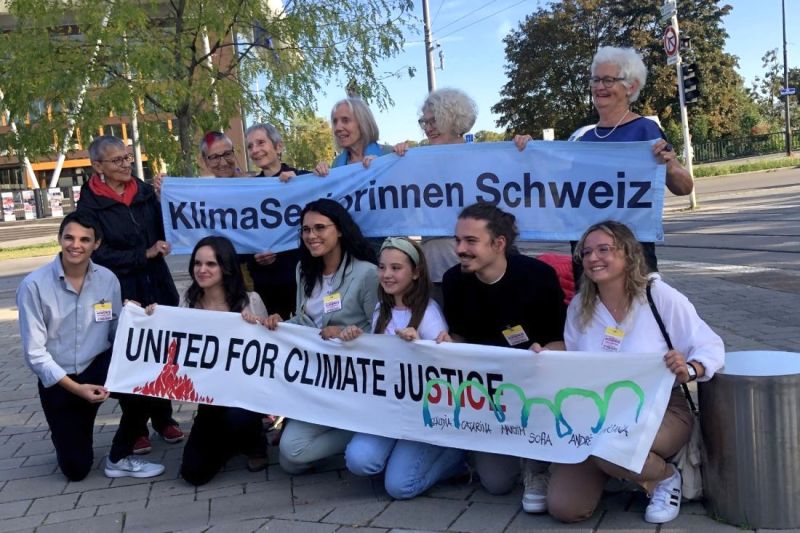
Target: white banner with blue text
[[553, 406], [555, 189]]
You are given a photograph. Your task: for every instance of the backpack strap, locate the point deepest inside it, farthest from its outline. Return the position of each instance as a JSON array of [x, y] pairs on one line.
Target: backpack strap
[[664, 332]]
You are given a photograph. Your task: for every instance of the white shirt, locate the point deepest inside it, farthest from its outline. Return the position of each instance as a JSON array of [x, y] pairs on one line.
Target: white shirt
[[315, 307], [429, 328], [690, 335]]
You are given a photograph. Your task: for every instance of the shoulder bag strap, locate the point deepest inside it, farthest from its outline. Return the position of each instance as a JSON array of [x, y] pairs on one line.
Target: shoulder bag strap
[[663, 329]]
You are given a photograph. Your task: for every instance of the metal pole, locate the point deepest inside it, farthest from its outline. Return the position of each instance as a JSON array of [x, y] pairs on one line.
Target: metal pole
[[786, 86], [687, 141], [429, 47]]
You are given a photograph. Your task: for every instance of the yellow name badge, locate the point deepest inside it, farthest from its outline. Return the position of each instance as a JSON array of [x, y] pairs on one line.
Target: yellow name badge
[[612, 340], [332, 302], [515, 335], [102, 311]]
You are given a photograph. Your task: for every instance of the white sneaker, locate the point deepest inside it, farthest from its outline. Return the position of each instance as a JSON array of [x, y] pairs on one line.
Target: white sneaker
[[132, 466], [665, 504], [534, 499]]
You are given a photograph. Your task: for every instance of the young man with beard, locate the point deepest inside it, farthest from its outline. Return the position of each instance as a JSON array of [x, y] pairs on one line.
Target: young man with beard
[[499, 297]]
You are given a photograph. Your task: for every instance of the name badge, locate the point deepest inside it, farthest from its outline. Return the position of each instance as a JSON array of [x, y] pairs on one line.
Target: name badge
[[612, 339], [102, 311], [515, 335], [332, 302]]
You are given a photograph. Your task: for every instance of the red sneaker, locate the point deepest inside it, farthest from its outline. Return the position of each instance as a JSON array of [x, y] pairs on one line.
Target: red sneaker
[[142, 446], [172, 434]]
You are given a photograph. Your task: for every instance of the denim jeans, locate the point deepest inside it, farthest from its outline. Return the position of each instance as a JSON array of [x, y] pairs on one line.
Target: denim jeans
[[411, 467]]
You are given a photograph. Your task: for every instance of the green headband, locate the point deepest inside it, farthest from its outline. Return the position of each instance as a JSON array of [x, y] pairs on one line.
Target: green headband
[[404, 245]]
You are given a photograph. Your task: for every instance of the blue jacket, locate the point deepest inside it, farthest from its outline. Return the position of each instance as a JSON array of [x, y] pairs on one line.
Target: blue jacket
[[372, 149]]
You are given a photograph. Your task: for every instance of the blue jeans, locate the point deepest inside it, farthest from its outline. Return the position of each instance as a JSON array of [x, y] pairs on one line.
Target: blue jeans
[[411, 467]]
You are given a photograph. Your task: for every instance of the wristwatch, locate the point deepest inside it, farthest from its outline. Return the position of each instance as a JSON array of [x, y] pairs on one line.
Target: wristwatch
[[692, 371]]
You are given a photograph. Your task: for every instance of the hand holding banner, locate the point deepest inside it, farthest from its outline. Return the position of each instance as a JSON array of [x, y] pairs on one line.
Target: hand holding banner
[[555, 189], [553, 406]]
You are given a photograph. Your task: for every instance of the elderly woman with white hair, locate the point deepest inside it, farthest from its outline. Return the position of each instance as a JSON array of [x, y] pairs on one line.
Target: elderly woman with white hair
[[617, 77], [446, 116]]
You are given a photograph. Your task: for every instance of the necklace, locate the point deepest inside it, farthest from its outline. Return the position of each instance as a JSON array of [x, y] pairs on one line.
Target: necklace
[[612, 129]]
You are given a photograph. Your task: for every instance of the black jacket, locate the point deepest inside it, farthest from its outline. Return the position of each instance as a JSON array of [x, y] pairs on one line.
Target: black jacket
[[127, 234]]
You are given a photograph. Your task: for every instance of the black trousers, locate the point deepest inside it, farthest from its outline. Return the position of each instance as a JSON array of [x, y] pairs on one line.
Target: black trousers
[[71, 421], [217, 434]]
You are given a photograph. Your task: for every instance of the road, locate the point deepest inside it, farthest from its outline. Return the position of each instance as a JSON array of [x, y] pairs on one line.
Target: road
[[749, 224]]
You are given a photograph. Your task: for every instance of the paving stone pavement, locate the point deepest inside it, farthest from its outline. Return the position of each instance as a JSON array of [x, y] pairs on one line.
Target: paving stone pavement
[[746, 311]]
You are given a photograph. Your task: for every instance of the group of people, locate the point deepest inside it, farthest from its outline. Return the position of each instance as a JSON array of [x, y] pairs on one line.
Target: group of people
[[476, 288]]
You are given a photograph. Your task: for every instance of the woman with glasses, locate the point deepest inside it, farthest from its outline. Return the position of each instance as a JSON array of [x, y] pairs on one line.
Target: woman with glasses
[[611, 313], [219, 156], [617, 77], [447, 115], [133, 247], [337, 286]]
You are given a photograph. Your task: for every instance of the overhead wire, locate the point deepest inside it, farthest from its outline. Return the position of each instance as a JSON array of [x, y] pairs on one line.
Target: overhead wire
[[481, 20]]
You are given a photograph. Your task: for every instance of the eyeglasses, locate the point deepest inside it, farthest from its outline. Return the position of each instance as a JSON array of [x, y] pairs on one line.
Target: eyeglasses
[[317, 229], [119, 161], [425, 122], [607, 81], [216, 157], [602, 250]]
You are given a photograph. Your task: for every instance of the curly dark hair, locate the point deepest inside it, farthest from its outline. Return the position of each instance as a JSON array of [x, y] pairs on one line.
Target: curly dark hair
[[352, 241], [232, 280]]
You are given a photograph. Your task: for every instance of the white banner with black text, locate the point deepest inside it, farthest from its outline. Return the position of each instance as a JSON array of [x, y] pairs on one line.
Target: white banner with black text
[[553, 406]]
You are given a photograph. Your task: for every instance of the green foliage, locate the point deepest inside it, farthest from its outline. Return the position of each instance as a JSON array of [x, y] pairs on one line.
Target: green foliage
[[754, 166], [484, 136], [152, 52], [550, 54], [308, 141], [765, 92]]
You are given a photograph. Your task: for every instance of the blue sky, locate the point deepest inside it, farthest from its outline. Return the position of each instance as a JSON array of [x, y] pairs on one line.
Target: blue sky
[[470, 33]]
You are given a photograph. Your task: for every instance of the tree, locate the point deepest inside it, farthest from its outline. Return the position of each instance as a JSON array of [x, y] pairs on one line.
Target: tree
[[153, 53], [766, 89], [486, 136], [308, 141], [549, 58]]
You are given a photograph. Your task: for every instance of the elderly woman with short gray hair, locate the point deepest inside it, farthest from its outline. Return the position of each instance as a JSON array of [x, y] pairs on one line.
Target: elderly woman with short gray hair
[[617, 77], [446, 116]]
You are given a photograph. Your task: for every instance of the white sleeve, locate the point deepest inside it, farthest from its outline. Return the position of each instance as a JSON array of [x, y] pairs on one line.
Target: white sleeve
[[432, 323], [256, 305], [689, 333]]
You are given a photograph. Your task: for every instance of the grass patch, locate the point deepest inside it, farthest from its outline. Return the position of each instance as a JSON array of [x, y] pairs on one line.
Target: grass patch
[[754, 166], [33, 250]]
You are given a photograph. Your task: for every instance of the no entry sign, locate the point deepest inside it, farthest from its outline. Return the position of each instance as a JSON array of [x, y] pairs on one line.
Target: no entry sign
[[671, 44]]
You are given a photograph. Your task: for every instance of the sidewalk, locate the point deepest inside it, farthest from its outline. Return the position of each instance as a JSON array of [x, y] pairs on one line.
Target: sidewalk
[[35, 496]]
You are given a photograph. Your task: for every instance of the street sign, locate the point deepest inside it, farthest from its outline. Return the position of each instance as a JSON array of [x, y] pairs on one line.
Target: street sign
[[671, 41], [668, 10], [787, 91]]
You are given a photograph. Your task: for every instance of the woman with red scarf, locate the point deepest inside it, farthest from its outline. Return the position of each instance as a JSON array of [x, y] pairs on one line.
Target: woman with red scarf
[[133, 247]]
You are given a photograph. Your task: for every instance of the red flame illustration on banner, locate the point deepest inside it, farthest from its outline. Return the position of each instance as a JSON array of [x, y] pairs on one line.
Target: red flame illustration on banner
[[170, 385]]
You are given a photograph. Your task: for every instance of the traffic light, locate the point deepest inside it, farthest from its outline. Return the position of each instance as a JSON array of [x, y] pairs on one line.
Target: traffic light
[[691, 83]]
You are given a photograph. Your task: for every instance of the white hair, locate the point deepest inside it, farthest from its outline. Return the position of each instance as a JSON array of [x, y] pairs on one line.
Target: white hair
[[631, 66]]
